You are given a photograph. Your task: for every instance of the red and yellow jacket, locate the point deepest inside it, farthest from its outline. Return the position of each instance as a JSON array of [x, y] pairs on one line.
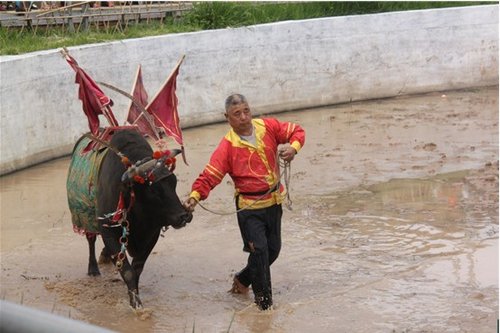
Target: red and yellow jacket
[[253, 168]]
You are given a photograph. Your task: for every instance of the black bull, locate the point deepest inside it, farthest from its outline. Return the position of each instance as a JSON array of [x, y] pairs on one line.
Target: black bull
[[94, 187]]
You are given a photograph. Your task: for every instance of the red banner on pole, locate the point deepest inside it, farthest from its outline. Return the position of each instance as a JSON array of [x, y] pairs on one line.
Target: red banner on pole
[[136, 116], [163, 107], [94, 101]]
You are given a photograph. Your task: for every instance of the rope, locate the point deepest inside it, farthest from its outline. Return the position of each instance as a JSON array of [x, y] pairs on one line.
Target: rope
[[286, 174]]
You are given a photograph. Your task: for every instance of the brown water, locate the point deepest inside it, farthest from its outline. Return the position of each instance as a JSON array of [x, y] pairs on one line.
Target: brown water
[[394, 228]]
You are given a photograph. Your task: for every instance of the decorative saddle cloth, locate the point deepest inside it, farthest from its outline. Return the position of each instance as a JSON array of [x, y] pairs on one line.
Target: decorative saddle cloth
[[81, 186]]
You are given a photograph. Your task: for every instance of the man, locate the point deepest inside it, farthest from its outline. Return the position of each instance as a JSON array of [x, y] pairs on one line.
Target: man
[[249, 154]]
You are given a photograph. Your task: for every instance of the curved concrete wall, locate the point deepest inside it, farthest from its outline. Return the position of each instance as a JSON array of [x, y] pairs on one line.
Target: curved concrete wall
[[279, 67]]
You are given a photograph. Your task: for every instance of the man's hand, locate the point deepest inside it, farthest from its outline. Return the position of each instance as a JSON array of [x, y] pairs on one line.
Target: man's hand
[[287, 153], [189, 204]]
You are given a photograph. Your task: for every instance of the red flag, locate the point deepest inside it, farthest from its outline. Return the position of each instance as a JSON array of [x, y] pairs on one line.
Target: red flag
[[94, 101], [136, 116], [163, 107]]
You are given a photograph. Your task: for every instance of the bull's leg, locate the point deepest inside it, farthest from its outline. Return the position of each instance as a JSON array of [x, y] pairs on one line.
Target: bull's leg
[[126, 271], [93, 269], [130, 277], [138, 266], [105, 256], [139, 260]]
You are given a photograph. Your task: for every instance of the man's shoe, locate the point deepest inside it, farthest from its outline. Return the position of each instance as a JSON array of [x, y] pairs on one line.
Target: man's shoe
[[238, 287]]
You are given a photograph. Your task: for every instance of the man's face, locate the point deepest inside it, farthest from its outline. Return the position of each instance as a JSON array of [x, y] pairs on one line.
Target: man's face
[[240, 118]]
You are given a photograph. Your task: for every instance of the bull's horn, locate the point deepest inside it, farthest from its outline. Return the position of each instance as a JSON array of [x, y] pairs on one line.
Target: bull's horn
[[146, 166], [175, 152], [137, 170]]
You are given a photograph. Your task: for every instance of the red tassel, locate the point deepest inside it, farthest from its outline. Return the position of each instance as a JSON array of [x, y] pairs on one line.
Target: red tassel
[[170, 160], [139, 179], [126, 161], [157, 155], [121, 204]]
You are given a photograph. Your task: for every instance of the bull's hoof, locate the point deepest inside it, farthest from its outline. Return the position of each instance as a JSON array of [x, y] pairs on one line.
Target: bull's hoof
[[94, 273], [135, 301], [93, 270]]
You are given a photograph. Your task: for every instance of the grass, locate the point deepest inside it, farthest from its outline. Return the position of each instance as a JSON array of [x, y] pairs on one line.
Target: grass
[[205, 16], [15, 41], [214, 15]]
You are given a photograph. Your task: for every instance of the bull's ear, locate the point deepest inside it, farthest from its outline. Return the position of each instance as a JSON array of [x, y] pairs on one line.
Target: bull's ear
[[174, 152]]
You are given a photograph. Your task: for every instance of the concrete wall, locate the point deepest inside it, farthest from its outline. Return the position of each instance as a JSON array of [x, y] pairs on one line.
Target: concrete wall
[[281, 66]]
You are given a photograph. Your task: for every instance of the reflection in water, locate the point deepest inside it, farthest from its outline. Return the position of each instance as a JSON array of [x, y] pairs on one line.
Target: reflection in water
[[407, 243]]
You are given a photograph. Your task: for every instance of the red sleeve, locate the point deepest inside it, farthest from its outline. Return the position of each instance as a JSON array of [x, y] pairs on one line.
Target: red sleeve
[[213, 173], [287, 132]]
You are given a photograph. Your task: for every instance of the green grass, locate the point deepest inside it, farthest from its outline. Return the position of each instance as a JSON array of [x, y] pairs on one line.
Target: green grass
[[215, 15], [205, 16], [16, 41]]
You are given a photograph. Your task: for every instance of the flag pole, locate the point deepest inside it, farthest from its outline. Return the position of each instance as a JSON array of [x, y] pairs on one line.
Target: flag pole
[[136, 103], [106, 111], [133, 87]]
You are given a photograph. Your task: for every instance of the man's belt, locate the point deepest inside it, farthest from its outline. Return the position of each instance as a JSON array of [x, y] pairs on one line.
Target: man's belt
[[274, 188]]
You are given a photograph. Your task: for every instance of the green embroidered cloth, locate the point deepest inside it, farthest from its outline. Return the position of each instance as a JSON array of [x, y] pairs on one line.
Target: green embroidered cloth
[[81, 187]]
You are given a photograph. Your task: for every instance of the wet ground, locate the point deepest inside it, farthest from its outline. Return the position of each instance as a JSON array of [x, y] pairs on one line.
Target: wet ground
[[394, 228]]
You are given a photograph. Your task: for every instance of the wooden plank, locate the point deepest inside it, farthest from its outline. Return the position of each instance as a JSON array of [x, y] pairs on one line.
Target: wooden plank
[[60, 16]]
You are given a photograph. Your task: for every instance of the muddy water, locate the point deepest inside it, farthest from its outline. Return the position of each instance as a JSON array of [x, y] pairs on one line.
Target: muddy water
[[394, 228]]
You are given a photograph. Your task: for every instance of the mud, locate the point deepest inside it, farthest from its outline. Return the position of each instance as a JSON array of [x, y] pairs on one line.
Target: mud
[[394, 228]]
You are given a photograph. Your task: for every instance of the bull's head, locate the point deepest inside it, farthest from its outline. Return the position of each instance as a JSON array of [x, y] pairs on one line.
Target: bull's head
[[151, 169], [156, 175]]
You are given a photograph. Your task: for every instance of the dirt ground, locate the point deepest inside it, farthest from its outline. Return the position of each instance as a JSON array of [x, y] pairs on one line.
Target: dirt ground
[[394, 228]]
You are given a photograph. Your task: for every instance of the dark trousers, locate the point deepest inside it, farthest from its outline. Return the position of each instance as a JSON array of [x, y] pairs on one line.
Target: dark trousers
[[261, 233]]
